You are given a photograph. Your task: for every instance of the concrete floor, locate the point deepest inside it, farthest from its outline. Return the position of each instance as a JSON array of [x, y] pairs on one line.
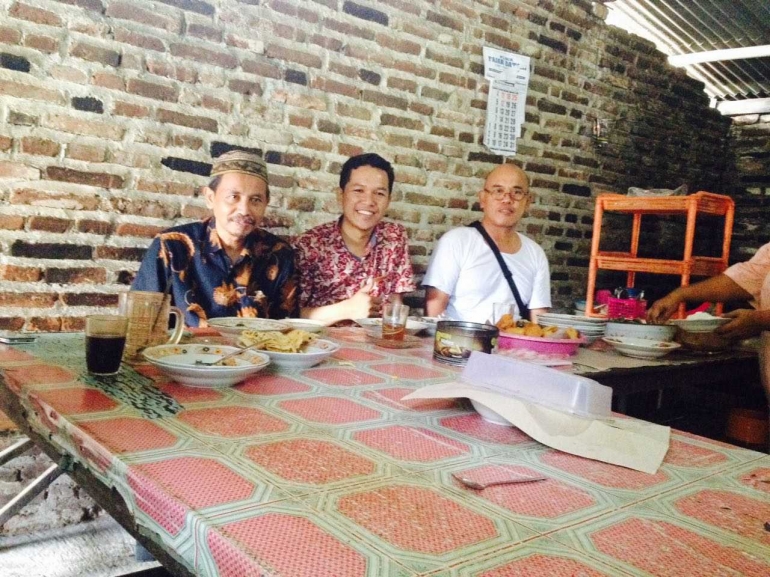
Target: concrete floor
[[99, 548]]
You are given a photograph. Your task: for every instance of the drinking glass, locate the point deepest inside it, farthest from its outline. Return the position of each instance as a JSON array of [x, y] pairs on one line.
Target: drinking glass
[[148, 319], [394, 317], [105, 340]]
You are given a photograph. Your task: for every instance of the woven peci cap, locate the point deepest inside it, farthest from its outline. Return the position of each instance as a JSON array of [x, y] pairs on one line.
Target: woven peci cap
[[240, 161]]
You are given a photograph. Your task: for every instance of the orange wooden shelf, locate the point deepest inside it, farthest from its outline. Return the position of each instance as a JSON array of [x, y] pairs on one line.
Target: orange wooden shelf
[[690, 265]]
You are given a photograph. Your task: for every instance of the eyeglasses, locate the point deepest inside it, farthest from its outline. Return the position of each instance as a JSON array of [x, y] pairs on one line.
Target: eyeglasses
[[501, 193]]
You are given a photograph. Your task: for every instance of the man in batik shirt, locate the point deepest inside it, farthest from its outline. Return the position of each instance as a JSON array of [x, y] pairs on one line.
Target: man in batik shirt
[[225, 265], [348, 266]]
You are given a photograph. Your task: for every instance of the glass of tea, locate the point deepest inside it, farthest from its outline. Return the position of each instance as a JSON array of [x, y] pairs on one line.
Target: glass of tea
[[105, 340], [394, 317]]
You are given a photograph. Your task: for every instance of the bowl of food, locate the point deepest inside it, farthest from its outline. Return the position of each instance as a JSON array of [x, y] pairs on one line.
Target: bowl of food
[[640, 330], [702, 342], [543, 340], [182, 363], [700, 322], [641, 348], [236, 325], [296, 349]]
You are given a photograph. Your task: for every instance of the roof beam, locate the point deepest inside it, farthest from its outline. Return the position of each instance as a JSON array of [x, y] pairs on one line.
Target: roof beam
[[720, 55], [748, 106]]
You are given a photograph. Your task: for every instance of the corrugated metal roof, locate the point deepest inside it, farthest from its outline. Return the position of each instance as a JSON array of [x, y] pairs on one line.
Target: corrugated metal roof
[[689, 26]]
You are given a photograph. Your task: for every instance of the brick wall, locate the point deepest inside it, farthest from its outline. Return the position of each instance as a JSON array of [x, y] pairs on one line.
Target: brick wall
[[111, 110]]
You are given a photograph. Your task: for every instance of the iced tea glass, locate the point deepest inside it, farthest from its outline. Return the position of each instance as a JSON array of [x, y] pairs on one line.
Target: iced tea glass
[[105, 340], [394, 317]]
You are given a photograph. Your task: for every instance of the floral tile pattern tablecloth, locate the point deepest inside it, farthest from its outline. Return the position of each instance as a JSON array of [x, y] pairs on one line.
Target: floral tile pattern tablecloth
[[327, 472]]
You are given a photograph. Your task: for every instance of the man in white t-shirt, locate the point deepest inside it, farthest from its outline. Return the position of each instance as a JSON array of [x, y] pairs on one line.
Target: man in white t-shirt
[[464, 278]]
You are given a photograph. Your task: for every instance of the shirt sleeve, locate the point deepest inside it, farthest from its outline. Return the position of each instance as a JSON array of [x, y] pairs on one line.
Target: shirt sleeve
[[444, 266], [403, 276], [750, 275], [152, 274], [541, 286]]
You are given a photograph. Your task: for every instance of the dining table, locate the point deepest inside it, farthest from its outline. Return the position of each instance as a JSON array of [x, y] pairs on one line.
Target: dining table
[[327, 471]]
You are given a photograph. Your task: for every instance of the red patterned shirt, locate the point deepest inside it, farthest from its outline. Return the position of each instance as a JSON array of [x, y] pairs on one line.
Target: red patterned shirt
[[330, 273]]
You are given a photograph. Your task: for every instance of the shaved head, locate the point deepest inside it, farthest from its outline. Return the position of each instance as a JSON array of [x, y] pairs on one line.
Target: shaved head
[[505, 172]]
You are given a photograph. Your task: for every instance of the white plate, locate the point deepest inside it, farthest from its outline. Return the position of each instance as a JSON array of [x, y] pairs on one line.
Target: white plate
[[235, 325], [316, 352], [413, 326], [700, 325], [488, 414], [178, 362], [641, 348], [308, 325], [556, 317]]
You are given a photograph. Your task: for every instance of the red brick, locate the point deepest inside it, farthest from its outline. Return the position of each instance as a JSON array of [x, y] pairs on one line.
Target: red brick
[[140, 40], [88, 275], [245, 87], [399, 45], [358, 112], [5, 143], [89, 299], [327, 85], [73, 324], [130, 11], [54, 199], [187, 141], [89, 153], [99, 227], [120, 253], [198, 212], [349, 149], [38, 15], [142, 207], [384, 99], [42, 43], [27, 299], [412, 68], [204, 55], [49, 224], [402, 84], [197, 30], [44, 324], [343, 69], [421, 108], [20, 273], [176, 72], [495, 22], [316, 144], [100, 179], [301, 120], [85, 127], [130, 109], [401, 122], [331, 44], [39, 146], [153, 90], [12, 323], [144, 230], [19, 90], [9, 35], [11, 222], [303, 58], [94, 53], [10, 169], [261, 68], [208, 101], [108, 80], [188, 120]]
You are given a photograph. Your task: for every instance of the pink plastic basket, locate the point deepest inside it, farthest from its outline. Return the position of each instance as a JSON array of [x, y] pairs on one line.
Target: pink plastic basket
[[625, 308], [542, 345]]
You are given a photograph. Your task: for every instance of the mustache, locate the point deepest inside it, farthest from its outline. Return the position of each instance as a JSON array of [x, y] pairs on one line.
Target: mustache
[[240, 219]]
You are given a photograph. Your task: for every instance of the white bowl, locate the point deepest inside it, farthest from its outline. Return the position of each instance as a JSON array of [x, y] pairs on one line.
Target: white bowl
[[413, 326], [178, 362], [700, 325], [315, 352], [641, 348], [236, 325], [640, 331], [488, 414], [308, 325]]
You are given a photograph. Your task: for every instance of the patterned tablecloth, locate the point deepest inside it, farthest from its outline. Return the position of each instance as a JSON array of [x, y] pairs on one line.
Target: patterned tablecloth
[[326, 472]]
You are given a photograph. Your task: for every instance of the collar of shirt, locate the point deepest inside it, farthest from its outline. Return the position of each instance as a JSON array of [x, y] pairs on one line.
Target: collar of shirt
[[212, 245], [369, 246]]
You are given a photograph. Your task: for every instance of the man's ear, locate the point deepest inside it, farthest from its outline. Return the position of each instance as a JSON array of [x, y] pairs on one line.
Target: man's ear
[[208, 194]]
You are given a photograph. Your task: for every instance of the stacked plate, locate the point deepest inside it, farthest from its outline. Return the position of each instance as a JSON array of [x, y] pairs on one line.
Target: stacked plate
[[591, 328]]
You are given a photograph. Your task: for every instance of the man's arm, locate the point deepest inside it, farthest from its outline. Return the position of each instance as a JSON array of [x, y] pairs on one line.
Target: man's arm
[[359, 306], [152, 273], [717, 288], [436, 301]]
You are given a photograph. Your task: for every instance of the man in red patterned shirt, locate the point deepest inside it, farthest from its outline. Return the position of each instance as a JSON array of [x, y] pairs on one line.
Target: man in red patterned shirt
[[348, 266]]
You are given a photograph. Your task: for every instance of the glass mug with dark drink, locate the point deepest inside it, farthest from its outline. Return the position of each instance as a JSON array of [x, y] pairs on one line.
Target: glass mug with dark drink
[[394, 317], [105, 340]]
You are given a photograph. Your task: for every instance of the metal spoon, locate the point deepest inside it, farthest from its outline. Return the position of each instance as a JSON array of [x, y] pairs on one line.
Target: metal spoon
[[476, 485], [230, 356]]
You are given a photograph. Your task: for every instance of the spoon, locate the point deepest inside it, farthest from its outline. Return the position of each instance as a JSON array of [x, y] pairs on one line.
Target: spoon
[[476, 485], [219, 360]]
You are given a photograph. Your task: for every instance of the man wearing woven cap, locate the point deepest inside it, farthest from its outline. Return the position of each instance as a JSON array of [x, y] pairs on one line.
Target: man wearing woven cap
[[225, 265]]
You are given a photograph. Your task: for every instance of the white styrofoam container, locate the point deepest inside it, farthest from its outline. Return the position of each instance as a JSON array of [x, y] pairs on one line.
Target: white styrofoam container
[[537, 384]]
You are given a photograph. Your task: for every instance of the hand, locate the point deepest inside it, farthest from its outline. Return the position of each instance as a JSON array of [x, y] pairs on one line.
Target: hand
[[745, 323], [663, 309], [362, 304]]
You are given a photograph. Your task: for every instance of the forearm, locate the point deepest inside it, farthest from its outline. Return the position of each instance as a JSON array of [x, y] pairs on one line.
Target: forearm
[[718, 288], [436, 302], [328, 314]]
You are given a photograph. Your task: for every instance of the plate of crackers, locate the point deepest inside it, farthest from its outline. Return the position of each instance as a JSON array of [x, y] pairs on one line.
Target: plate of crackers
[[295, 349]]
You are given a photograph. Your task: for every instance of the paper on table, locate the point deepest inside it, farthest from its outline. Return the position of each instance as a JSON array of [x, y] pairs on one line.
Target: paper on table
[[604, 361], [629, 443]]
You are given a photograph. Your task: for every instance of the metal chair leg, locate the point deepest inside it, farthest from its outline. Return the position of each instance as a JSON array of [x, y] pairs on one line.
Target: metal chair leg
[[28, 493], [15, 450]]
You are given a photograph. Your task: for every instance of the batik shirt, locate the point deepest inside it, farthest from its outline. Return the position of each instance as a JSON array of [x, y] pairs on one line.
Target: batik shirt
[[206, 284], [330, 273]]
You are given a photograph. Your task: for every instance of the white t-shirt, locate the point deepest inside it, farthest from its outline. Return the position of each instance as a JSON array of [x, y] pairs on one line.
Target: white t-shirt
[[464, 267]]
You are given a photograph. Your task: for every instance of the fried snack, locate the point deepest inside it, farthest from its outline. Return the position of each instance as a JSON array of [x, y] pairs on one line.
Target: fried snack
[[529, 329], [277, 342], [506, 322]]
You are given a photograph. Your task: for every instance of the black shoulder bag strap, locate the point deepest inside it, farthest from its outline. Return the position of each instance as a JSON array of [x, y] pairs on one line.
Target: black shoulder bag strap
[[523, 309]]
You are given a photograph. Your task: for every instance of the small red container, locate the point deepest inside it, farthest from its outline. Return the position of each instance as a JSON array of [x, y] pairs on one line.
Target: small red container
[[626, 308]]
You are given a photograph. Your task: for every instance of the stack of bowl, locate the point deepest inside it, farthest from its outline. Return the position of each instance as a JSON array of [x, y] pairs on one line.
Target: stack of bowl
[[591, 328]]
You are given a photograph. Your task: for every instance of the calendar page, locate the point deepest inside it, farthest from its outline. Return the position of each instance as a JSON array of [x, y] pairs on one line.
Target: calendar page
[[508, 74]]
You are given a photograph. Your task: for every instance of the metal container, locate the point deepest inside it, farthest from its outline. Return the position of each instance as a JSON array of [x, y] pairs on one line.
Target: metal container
[[455, 340]]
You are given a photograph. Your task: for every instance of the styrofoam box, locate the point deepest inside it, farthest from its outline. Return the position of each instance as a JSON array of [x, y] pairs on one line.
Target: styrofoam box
[[537, 384]]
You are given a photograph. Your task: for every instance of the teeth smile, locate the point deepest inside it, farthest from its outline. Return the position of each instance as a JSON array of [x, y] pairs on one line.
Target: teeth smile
[[365, 212]]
